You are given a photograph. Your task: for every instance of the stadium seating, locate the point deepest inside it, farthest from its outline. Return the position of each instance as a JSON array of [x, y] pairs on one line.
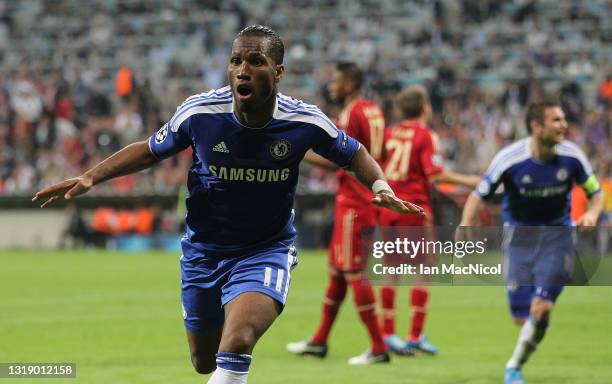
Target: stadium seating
[[482, 61]]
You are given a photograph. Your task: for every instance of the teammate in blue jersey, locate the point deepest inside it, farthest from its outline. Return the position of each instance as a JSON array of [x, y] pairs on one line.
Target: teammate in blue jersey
[[248, 140], [537, 174]]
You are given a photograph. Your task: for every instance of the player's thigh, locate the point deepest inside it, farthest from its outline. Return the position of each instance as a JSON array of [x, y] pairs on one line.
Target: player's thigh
[[247, 317], [519, 300], [203, 319], [519, 248], [554, 264], [255, 294], [202, 281], [553, 268]]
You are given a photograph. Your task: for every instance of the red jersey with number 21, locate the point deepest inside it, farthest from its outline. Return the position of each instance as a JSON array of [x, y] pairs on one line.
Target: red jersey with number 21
[[410, 159]]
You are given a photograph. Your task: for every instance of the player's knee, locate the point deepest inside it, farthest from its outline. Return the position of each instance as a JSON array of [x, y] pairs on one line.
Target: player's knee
[[240, 341], [203, 364], [519, 320], [363, 292], [541, 309]]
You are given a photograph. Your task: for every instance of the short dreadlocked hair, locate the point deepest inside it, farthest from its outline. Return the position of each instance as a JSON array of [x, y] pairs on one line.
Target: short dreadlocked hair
[[276, 48]]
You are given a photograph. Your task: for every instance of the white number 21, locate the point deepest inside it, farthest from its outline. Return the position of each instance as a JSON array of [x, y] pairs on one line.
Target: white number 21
[[397, 169]]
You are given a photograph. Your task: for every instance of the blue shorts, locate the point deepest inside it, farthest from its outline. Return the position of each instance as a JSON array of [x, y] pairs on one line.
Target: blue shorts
[[538, 262], [209, 282]]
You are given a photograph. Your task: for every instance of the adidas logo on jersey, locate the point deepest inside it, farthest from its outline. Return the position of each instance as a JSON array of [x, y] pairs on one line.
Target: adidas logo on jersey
[[526, 179], [221, 147]]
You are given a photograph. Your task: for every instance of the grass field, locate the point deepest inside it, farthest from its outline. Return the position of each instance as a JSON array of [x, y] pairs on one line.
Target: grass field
[[118, 317]]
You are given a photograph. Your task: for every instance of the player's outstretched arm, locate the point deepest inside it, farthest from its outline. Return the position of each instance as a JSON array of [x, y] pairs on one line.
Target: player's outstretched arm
[[590, 217], [368, 172], [469, 218], [472, 208], [469, 181], [133, 158]]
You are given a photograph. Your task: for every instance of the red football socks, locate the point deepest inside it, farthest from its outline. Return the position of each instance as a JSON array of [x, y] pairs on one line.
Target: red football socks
[[387, 295], [363, 293], [418, 301], [336, 291]]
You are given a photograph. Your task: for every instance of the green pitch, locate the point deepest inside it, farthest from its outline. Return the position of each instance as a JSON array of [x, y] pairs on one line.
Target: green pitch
[[118, 317]]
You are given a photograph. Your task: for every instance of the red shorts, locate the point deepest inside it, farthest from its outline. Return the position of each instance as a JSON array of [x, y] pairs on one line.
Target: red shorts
[[347, 238], [389, 222], [388, 218]]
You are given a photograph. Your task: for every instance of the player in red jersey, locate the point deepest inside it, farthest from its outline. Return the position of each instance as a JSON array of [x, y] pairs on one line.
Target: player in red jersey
[[364, 121], [411, 164]]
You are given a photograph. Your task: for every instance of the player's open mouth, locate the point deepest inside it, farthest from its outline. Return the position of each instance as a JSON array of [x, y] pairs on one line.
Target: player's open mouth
[[244, 91]]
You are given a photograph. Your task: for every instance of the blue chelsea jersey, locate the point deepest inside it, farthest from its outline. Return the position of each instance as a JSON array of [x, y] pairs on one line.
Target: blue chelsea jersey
[[537, 193], [242, 181]]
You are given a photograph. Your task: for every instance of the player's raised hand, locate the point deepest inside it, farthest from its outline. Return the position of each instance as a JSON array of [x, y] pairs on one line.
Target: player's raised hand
[[66, 189], [391, 202]]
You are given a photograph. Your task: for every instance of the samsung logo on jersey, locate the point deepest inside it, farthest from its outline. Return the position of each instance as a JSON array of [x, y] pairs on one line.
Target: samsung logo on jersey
[[249, 174], [544, 192]]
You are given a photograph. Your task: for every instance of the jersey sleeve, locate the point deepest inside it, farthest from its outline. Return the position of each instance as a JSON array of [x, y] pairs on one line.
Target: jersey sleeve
[[585, 176], [583, 172], [591, 185], [171, 138], [491, 179], [335, 145], [430, 160]]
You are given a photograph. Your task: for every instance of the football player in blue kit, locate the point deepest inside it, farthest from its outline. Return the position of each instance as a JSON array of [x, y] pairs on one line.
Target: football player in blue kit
[[247, 140], [537, 174]]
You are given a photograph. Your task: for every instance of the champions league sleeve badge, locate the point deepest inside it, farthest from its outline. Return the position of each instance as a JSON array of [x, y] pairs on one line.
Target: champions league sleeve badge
[[483, 188], [161, 135], [280, 149], [562, 174]]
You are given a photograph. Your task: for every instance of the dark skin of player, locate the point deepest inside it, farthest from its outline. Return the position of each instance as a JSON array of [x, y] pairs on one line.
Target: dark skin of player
[[253, 76]]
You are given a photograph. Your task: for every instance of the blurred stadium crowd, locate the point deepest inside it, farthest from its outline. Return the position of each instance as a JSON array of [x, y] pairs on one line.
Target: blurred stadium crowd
[[79, 82]]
